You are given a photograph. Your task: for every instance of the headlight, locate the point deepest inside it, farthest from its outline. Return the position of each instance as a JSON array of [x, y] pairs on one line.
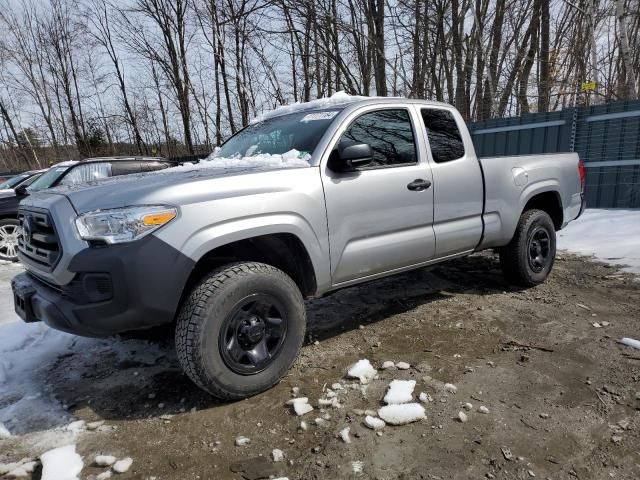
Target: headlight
[[123, 224]]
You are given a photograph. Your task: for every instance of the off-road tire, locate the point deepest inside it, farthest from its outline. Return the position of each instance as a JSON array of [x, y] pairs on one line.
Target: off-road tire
[[200, 321], [9, 222], [514, 258]]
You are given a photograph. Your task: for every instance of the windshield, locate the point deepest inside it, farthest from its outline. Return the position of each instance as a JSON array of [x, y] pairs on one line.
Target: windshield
[[47, 179], [299, 132], [14, 181]]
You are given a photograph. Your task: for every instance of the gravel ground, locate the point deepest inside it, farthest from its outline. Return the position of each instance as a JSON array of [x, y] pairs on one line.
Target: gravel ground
[[563, 397]]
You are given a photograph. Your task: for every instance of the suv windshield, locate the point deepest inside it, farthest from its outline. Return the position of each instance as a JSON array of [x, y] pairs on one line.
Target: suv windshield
[[279, 135], [47, 179]]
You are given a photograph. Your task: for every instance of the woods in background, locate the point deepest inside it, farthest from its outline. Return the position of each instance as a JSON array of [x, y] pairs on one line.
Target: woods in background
[[82, 78]]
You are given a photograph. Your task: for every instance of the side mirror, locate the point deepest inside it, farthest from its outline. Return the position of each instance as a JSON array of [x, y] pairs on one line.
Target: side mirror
[[349, 157], [21, 190]]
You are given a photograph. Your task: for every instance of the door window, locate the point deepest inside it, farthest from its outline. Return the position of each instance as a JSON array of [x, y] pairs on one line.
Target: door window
[[444, 136], [389, 134]]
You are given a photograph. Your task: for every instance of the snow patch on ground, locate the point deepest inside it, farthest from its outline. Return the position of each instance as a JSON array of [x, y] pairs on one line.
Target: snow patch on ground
[[300, 405], [338, 98], [374, 423], [362, 370], [26, 352], [400, 391], [402, 414], [61, 463], [7, 271], [121, 466], [611, 236]]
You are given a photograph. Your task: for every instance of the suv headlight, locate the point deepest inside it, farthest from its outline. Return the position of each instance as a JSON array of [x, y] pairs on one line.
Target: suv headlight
[[122, 225]]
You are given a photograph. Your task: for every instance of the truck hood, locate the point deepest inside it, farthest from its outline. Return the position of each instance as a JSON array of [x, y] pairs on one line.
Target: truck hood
[[175, 186]]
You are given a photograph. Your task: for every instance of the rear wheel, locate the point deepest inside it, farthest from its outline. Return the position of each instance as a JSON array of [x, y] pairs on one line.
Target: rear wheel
[[240, 330], [9, 231], [528, 259]]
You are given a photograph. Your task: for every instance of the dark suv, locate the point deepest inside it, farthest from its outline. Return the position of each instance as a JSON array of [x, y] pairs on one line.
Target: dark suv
[[67, 173]]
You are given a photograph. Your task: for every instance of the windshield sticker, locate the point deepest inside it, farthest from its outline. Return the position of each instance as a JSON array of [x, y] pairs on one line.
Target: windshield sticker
[[319, 116]]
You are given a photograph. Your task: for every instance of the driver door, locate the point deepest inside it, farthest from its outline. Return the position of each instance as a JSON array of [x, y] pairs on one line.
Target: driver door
[[378, 222]]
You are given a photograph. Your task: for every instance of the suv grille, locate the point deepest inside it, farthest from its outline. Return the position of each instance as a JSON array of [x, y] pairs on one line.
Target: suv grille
[[38, 240]]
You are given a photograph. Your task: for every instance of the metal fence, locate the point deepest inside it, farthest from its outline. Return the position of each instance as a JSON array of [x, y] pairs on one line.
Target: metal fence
[[607, 138]]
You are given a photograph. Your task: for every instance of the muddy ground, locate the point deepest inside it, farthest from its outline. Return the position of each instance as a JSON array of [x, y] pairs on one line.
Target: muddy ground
[[563, 396]]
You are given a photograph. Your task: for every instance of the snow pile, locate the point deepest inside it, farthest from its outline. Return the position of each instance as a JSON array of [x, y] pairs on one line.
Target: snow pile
[[451, 388], [400, 391], [121, 466], [104, 460], [277, 455], [363, 371], [425, 397], [630, 342], [344, 435], [300, 405], [292, 158], [611, 236], [23, 468], [338, 98], [402, 414], [61, 463], [374, 423]]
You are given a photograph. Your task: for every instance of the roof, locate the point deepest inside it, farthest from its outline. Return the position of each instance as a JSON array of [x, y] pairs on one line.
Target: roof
[[340, 100]]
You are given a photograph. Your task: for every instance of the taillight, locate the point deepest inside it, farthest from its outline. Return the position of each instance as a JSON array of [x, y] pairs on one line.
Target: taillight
[[582, 171]]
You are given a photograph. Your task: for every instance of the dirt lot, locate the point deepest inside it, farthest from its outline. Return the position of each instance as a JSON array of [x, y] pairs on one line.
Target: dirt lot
[[563, 396]]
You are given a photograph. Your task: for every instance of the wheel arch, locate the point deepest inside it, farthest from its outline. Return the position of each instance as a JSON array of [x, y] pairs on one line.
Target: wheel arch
[[548, 201], [282, 250]]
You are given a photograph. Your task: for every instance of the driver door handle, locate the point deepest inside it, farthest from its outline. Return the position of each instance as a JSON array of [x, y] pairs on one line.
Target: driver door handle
[[418, 185]]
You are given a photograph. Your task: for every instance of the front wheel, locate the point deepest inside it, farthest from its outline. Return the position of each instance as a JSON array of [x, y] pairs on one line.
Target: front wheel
[[9, 231], [528, 259], [240, 330]]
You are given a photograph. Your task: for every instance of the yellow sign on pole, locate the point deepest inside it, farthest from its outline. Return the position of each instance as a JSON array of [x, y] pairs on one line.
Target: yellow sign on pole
[[589, 86]]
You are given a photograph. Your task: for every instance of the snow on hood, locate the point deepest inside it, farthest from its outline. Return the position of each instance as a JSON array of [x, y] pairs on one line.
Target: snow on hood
[[210, 167], [338, 98]]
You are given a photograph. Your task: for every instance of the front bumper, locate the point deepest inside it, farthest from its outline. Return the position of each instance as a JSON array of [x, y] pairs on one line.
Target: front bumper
[[115, 289]]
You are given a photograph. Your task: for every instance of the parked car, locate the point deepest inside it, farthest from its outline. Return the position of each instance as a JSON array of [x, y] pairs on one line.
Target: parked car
[[295, 206], [65, 173], [26, 179]]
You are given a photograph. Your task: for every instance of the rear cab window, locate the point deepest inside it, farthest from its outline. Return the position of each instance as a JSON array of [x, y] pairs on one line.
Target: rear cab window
[[443, 135]]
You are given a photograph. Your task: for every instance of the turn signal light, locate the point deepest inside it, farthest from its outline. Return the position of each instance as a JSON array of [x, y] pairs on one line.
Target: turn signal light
[[159, 218]]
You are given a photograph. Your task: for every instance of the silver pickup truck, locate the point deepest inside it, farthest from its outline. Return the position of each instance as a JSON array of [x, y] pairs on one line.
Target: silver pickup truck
[[301, 203]]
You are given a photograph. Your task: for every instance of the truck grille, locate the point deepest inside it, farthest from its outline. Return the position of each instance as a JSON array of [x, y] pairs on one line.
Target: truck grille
[[38, 240]]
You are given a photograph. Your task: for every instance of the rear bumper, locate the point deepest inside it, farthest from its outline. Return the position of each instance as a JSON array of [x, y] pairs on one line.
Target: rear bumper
[[138, 286]]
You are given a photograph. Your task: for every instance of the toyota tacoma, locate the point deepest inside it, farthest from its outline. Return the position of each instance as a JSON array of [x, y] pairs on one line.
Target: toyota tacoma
[[302, 202]]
